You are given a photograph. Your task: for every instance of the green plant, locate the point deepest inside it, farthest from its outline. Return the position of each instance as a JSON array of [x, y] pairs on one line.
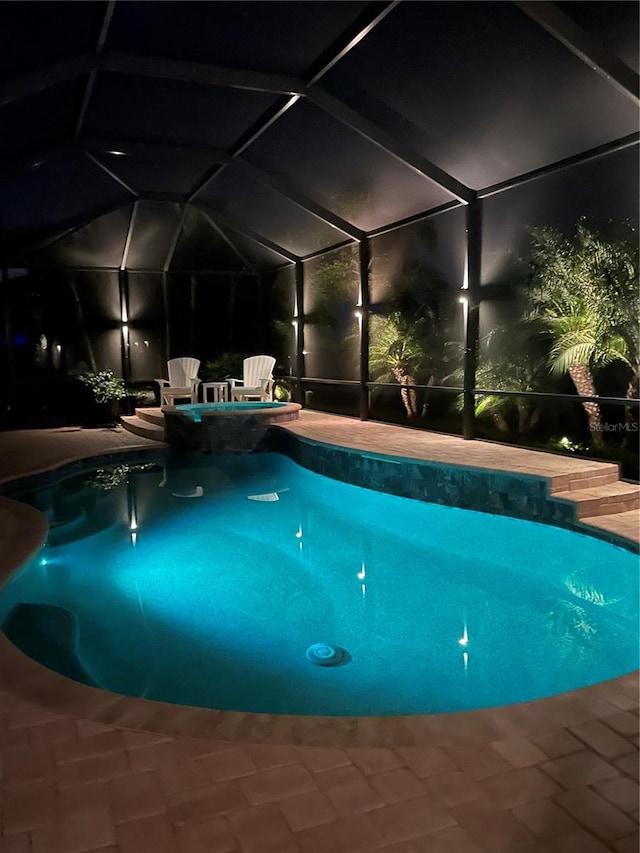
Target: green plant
[[565, 444], [584, 296], [138, 393], [281, 392], [395, 352], [104, 385], [506, 362], [225, 365]]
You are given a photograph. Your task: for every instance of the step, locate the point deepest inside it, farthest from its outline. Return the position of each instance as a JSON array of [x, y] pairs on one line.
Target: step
[[625, 524], [605, 499], [138, 426], [596, 474], [151, 415]]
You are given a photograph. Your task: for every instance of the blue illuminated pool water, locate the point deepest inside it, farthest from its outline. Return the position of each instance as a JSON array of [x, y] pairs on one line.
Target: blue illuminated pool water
[[206, 584], [196, 410]]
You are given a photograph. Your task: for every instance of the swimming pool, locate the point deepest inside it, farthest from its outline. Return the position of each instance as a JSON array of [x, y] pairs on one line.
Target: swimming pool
[[206, 584]]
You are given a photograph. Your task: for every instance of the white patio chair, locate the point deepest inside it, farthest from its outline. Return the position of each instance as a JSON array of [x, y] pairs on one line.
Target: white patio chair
[[183, 380], [257, 379]]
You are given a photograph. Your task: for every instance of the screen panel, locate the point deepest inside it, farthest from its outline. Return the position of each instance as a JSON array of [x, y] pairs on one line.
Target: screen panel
[[33, 123], [156, 168], [603, 191], [479, 89], [147, 344], [276, 37], [100, 243], [154, 228], [613, 24], [26, 33], [281, 302], [55, 194], [331, 327], [268, 214], [200, 246], [417, 323], [171, 111], [343, 171]]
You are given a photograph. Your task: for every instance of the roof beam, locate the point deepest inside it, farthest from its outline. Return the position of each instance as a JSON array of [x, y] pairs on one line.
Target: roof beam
[[259, 127], [226, 239], [109, 144], [127, 242], [287, 189], [584, 46], [352, 36], [575, 160], [372, 133], [327, 250], [111, 173], [194, 72], [45, 78], [414, 218], [102, 37], [252, 235], [175, 238]]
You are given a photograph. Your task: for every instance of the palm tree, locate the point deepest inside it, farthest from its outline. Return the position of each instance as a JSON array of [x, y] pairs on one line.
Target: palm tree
[[504, 373], [582, 295], [396, 352], [507, 362], [407, 337]]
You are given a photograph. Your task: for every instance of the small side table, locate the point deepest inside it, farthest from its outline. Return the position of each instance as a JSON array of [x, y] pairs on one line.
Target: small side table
[[219, 392]]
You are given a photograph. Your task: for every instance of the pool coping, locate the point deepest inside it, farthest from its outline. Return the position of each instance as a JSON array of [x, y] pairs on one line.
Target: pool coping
[[25, 530], [567, 520]]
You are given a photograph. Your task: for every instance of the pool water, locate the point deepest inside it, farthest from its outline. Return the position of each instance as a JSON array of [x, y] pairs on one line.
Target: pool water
[[206, 581], [196, 410]]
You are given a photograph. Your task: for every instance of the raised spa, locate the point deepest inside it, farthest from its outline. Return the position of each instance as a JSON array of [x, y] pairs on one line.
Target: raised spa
[[224, 427], [231, 581]]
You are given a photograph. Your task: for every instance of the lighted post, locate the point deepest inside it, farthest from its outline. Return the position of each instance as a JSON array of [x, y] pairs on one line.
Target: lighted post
[[364, 257], [471, 308], [123, 286], [298, 322]]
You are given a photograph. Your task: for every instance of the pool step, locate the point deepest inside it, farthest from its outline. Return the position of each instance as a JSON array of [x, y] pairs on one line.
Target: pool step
[[624, 524], [151, 415], [143, 427], [605, 499], [593, 474]]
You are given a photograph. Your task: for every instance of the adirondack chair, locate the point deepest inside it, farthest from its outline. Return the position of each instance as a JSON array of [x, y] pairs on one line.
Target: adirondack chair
[[257, 379], [183, 380]]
